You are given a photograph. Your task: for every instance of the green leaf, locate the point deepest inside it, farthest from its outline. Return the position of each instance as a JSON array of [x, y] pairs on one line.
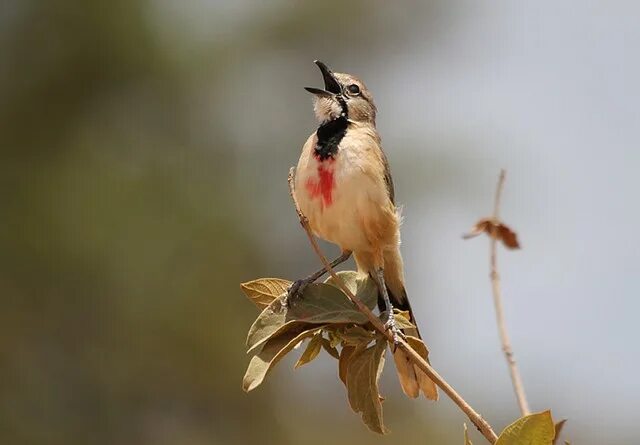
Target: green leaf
[[272, 353], [467, 441], [326, 344], [312, 351], [264, 290], [320, 303], [325, 303], [363, 372], [534, 429]]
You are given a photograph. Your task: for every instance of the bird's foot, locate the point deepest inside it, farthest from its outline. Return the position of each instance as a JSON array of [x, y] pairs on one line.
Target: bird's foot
[[295, 291], [391, 326]]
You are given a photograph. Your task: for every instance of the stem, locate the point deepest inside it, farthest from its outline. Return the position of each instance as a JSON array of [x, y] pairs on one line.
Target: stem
[[516, 379], [482, 425]]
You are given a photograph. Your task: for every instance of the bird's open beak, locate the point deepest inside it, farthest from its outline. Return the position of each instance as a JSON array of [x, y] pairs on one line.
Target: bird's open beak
[[331, 85]]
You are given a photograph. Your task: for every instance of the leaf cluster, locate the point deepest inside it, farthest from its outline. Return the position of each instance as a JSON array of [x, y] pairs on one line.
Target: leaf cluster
[[327, 319]]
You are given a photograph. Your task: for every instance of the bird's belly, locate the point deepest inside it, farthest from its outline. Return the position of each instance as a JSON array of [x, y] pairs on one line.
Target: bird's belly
[[340, 200]]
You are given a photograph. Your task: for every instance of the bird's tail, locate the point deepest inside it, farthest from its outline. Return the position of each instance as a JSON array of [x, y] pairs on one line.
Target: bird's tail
[[412, 379]]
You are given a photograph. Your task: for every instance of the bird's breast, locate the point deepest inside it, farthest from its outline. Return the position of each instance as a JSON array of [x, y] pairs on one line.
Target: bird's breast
[[340, 194]]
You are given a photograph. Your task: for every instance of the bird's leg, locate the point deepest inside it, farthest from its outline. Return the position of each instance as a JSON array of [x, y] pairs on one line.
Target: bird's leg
[[390, 324], [298, 286]]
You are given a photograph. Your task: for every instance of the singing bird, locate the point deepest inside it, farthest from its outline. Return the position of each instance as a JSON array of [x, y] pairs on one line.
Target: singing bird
[[343, 186]]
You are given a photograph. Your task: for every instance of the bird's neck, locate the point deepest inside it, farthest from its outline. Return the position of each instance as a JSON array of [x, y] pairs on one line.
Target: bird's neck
[[329, 136]]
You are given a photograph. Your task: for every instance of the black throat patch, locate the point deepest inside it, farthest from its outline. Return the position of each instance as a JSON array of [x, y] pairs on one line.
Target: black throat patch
[[331, 133]]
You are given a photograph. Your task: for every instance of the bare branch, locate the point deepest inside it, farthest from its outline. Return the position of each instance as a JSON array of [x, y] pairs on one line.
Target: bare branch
[[482, 425], [516, 379]]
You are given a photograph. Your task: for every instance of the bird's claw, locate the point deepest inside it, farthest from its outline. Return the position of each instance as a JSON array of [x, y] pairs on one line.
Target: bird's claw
[[391, 326], [295, 291]]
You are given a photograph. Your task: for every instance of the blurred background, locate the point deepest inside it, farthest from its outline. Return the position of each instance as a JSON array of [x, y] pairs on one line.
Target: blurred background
[[145, 148]]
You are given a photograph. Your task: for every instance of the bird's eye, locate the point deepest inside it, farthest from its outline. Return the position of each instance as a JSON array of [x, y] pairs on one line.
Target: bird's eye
[[354, 89]]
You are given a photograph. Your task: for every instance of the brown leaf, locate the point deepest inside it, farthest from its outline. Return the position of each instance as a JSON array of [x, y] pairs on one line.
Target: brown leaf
[[495, 229], [428, 387], [271, 322], [356, 335], [326, 344], [272, 353], [343, 362], [313, 349], [264, 290], [363, 372], [558, 427]]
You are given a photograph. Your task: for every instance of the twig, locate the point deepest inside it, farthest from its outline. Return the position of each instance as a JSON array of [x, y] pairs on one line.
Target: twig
[[482, 425], [497, 300]]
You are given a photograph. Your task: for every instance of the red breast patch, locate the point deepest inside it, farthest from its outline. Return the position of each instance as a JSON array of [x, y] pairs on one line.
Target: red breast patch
[[322, 186]]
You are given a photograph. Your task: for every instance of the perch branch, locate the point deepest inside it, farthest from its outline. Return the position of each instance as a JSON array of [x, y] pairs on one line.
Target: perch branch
[[516, 379], [482, 425]]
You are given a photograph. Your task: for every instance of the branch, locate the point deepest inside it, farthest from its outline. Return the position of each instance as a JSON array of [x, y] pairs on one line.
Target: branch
[[482, 425], [497, 300]]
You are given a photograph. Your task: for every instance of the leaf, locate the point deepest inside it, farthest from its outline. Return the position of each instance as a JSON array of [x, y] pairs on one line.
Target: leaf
[[272, 353], [495, 229], [325, 303], [428, 387], [271, 322], [343, 362], [358, 284], [320, 303], [467, 441], [558, 429], [356, 335], [363, 372], [264, 290], [534, 429], [312, 351], [326, 344], [402, 319]]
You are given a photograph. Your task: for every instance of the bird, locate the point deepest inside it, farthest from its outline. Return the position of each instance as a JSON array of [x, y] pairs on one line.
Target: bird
[[343, 186]]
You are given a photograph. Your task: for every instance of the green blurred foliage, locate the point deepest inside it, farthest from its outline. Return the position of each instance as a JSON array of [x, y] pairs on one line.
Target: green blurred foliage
[[121, 319]]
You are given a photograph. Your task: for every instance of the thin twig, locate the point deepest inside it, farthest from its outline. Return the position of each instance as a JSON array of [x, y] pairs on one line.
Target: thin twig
[[482, 425], [497, 300]]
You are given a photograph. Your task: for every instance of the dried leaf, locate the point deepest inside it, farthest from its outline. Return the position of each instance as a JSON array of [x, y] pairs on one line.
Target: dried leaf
[[326, 344], [343, 362], [428, 387], [467, 441], [264, 290], [272, 353], [558, 428], [363, 372], [312, 351], [534, 429], [495, 229]]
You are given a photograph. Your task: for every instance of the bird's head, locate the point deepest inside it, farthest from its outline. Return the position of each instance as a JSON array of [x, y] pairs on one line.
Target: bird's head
[[343, 95]]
